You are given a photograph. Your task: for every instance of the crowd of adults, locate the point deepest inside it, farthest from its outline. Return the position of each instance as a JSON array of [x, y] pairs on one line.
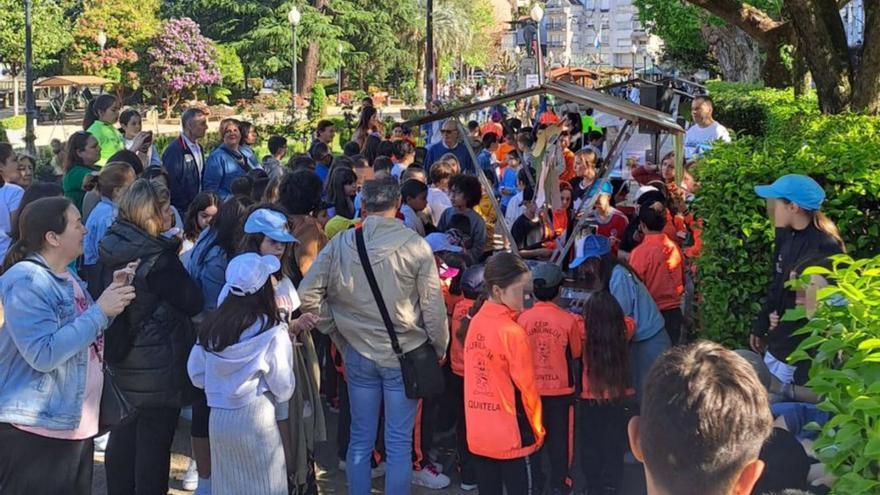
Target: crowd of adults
[[257, 296]]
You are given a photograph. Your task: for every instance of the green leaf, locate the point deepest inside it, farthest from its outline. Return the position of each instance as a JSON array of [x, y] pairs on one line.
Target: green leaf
[[870, 344], [794, 314]]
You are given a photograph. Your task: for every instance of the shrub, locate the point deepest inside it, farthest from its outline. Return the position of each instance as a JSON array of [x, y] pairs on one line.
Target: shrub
[[317, 103], [843, 342], [756, 111], [13, 123], [841, 152]]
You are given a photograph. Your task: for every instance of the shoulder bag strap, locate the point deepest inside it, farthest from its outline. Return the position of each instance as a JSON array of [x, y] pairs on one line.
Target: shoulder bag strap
[[374, 286]]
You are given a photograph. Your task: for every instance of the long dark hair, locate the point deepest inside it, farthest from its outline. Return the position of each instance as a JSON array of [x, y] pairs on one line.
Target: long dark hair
[[605, 347], [339, 178], [202, 201], [75, 143], [366, 115], [37, 219], [250, 243], [100, 104], [502, 270], [223, 327], [604, 268], [227, 226]]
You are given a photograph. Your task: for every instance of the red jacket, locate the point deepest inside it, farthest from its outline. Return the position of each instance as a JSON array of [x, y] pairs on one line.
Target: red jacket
[[659, 262]]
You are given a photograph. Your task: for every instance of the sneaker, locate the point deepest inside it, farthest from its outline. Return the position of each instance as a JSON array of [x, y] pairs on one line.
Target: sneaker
[[101, 443], [468, 487], [428, 477], [191, 478], [437, 466]]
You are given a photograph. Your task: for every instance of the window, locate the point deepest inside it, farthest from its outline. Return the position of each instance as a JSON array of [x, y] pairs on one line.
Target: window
[[605, 5]]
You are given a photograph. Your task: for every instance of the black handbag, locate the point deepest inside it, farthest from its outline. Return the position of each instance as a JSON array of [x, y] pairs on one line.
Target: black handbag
[[420, 367], [116, 409]]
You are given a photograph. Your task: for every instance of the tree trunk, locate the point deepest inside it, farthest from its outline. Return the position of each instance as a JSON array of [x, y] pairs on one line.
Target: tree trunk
[[307, 71], [738, 56], [800, 74], [866, 93], [774, 72], [818, 24]]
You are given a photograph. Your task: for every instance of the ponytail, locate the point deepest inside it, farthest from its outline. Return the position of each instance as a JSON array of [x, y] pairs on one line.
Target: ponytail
[[466, 321], [97, 105], [17, 252], [827, 226], [90, 182]]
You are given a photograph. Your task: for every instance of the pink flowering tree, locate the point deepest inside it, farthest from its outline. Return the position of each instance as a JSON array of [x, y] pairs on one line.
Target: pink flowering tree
[[180, 60]]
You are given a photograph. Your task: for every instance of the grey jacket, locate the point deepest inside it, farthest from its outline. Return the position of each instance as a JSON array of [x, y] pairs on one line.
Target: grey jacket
[[336, 287]]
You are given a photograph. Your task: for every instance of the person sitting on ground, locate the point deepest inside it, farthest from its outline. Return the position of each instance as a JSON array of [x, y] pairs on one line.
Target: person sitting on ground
[[277, 152], [704, 418]]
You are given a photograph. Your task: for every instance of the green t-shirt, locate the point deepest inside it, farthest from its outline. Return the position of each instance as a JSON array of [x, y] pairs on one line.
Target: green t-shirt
[[72, 181], [108, 137]]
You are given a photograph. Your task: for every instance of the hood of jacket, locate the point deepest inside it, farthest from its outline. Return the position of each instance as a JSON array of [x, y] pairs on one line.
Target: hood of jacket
[[245, 358], [125, 242], [382, 236]]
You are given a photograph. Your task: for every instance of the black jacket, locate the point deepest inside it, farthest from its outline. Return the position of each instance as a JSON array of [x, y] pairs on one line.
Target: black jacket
[[147, 346], [795, 251]]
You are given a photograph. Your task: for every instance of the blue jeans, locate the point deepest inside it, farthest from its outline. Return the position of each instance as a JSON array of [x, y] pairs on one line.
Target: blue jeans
[[368, 385]]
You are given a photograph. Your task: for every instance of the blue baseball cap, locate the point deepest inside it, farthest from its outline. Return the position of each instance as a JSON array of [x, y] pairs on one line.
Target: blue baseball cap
[[271, 223], [795, 188], [593, 246], [606, 189]]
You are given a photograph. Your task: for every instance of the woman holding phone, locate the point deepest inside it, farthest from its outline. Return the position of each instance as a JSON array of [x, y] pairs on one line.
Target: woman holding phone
[[148, 345], [53, 349], [131, 125]]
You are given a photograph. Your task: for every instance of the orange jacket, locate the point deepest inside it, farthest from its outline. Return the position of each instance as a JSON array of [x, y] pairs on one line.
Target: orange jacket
[[659, 262], [456, 349], [585, 392], [502, 406], [555, 338]]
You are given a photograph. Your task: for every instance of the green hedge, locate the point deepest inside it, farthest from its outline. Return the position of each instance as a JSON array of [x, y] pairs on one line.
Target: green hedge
[[756, 111], [841, 152]]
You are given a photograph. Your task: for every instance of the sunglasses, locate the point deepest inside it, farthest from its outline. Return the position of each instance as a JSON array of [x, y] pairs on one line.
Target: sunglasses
[[448, 131]]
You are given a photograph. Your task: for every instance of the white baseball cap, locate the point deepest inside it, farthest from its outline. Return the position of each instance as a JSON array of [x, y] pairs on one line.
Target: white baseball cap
[[247, 273]]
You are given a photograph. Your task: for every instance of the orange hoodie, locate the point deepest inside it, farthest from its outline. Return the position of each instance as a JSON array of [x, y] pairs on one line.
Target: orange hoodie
[[502, 404], [555, 338]]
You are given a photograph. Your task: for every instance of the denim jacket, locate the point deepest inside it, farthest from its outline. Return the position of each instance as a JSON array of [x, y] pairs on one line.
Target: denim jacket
[[44, 347], [207, 266], [100, 219], [637, 303]]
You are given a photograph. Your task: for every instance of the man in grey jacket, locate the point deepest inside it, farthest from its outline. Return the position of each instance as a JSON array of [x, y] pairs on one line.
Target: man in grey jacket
[[336, 287]]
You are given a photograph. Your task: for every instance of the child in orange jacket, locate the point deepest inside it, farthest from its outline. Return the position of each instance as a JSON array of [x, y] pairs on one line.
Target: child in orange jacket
[[502, 403], [555, 338]]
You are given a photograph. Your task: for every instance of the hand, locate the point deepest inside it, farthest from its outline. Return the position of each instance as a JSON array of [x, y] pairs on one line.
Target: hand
[[774, 321], [142, 138], [124, 276], [756, 343], [305, 323], [115, 299]]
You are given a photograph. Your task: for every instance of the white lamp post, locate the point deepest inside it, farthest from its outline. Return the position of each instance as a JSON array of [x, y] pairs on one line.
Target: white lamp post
[[293, 17], [537, 14], [634, 49], [339, 83]]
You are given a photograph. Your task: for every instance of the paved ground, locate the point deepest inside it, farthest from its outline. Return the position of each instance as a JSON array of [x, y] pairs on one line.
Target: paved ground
[[332, 481]]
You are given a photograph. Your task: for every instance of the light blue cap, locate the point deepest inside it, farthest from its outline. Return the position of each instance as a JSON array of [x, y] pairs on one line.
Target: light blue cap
[[795, 188], [594, 246], [271, 223]]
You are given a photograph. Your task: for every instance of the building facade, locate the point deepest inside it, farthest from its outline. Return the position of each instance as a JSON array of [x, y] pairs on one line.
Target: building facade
[[597, 33]]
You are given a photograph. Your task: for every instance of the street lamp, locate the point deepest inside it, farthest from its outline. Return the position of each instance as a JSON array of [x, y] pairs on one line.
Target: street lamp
[[293, 17], [537, 14], [339, 83], [30, 109], [102, 40]]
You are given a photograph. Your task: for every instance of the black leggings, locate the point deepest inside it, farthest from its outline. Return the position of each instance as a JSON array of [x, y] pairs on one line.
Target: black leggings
[[139, 453], [34, 465], [602, 443], [513, 476]]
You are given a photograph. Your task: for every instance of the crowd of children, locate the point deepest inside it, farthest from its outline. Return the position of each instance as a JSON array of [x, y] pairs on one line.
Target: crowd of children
[[532, 370]]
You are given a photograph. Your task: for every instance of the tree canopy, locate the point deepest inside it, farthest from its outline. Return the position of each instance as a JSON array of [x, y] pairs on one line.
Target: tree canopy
[[50, 28]]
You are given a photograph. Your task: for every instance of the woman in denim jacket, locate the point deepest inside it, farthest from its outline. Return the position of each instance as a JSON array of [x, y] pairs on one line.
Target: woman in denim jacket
[[51, 346]]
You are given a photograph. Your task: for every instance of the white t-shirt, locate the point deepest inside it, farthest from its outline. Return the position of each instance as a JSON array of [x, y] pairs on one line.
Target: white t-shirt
[[698, 139], [10, 198], [438, 202]]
